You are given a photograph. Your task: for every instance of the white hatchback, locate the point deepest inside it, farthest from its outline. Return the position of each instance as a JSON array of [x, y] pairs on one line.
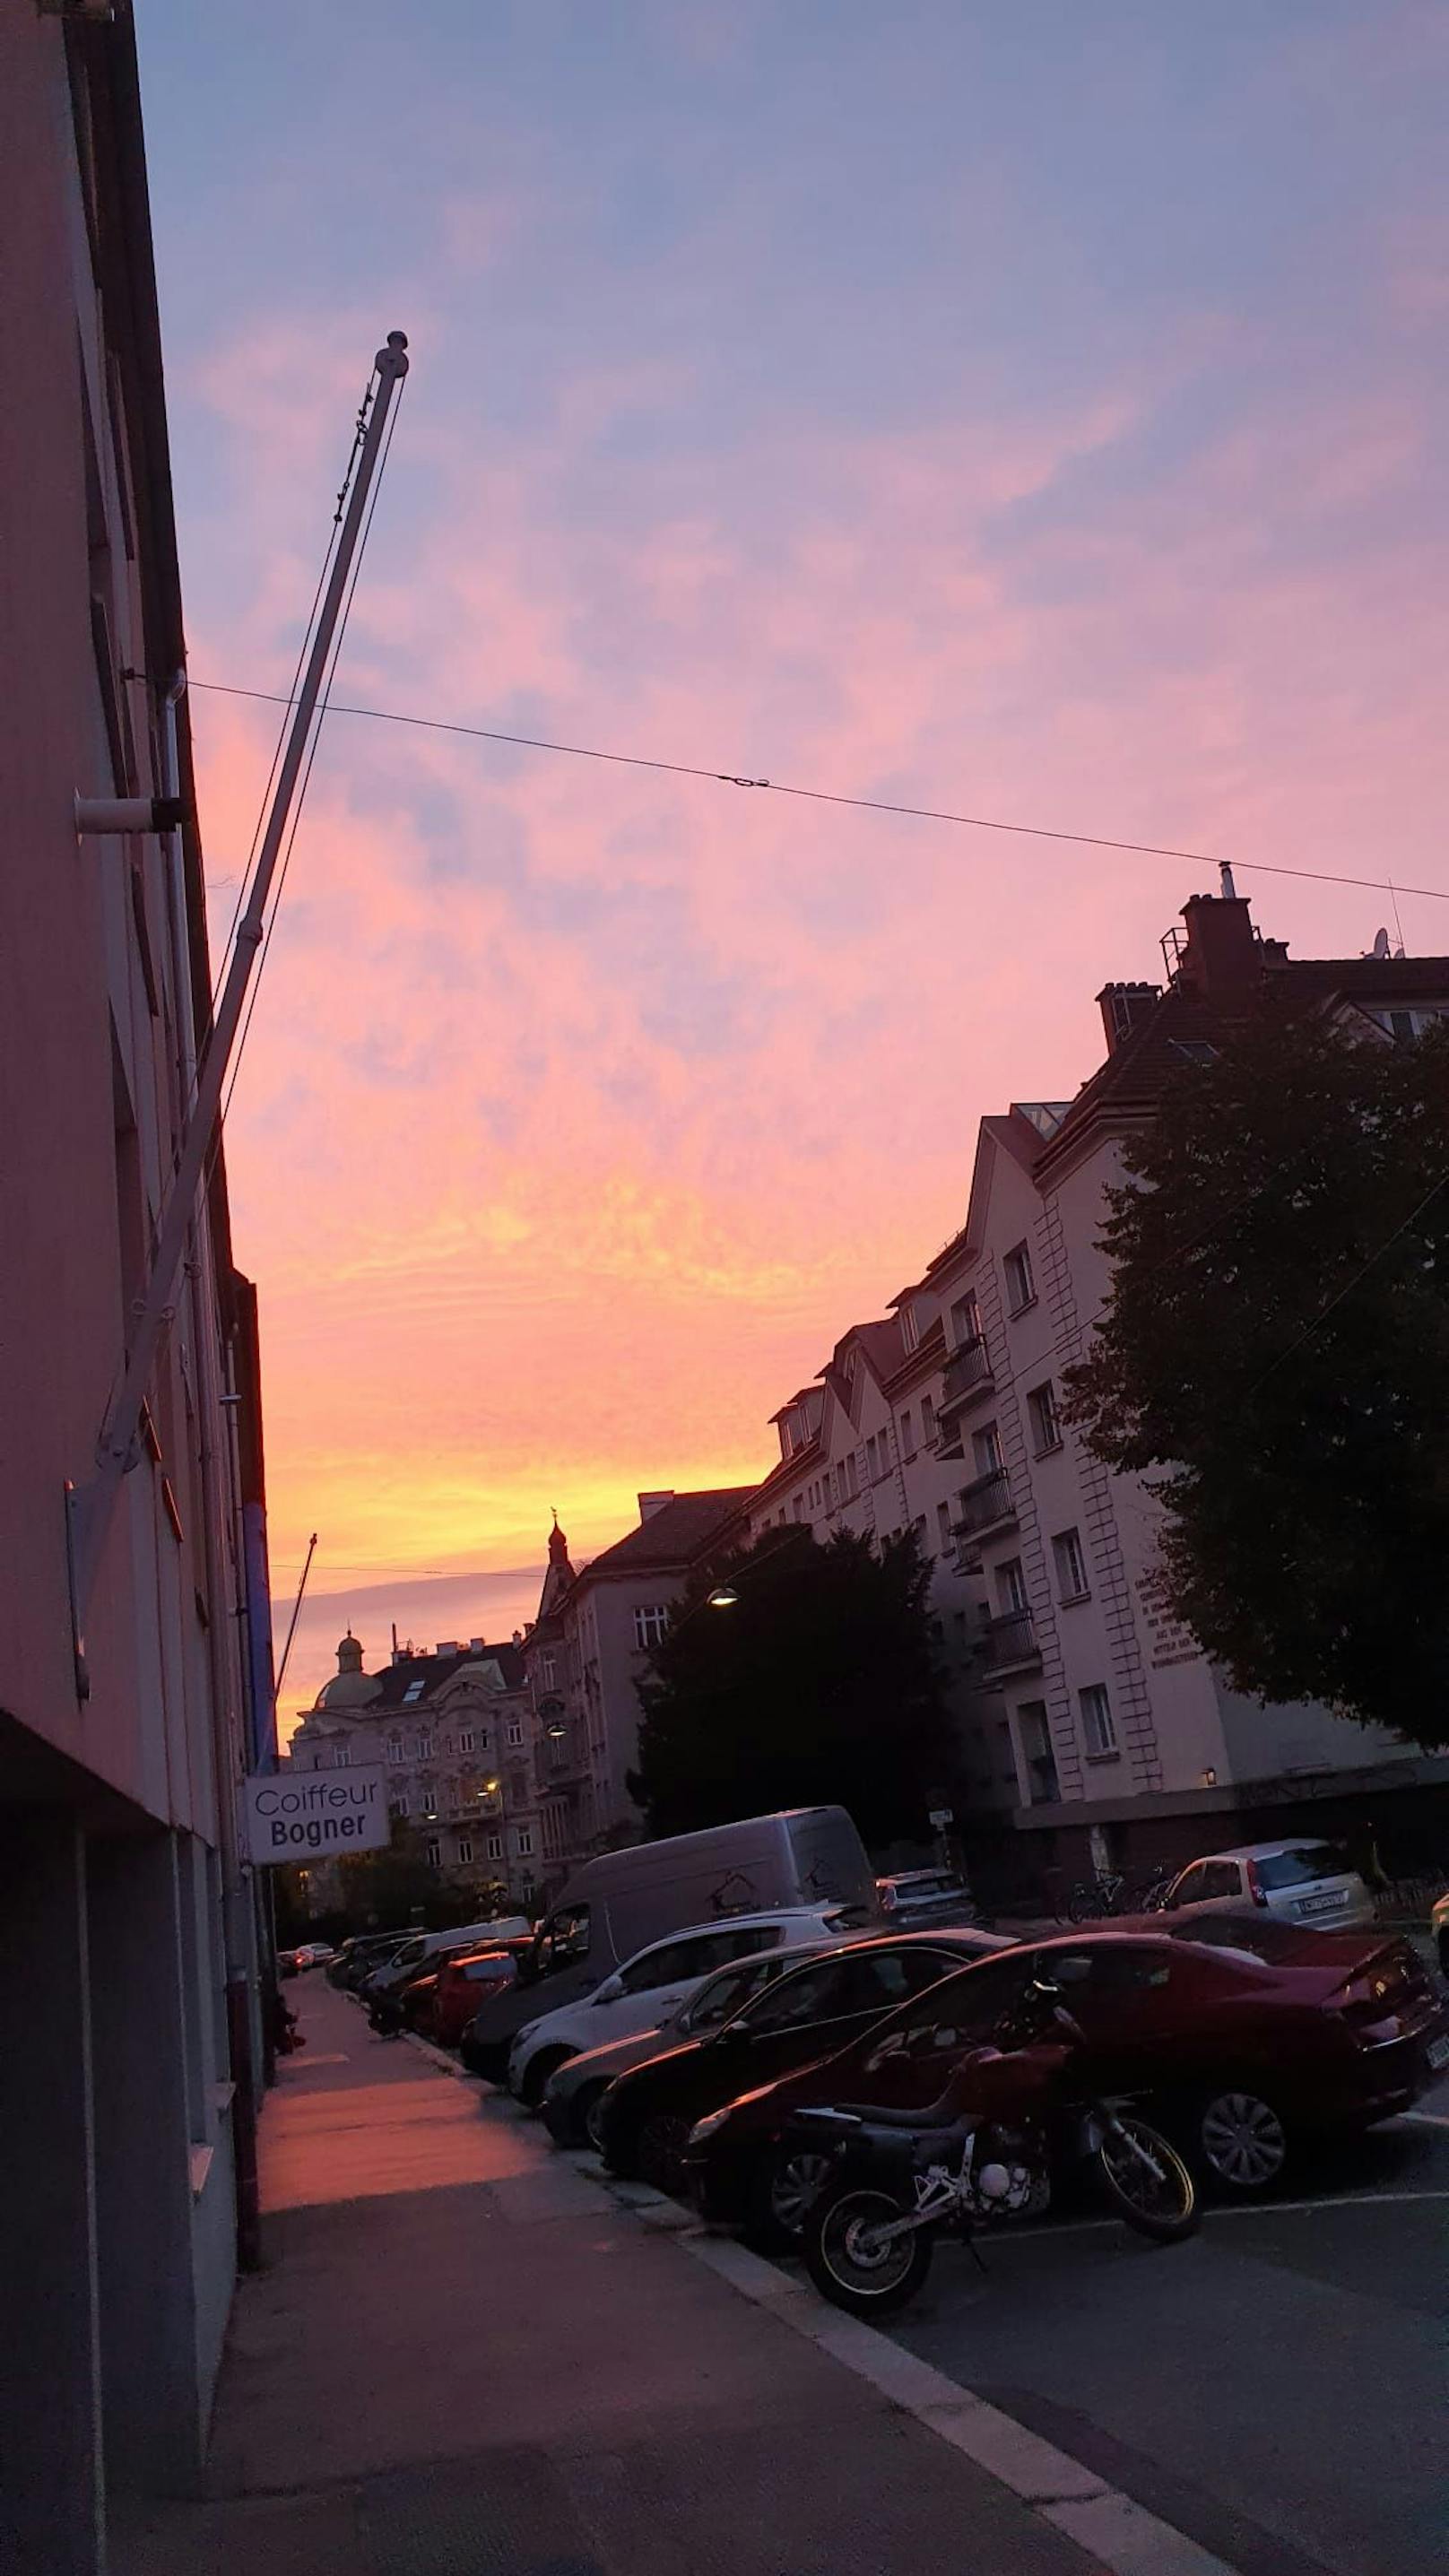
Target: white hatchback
[[1300, 1881], [657, 1979]]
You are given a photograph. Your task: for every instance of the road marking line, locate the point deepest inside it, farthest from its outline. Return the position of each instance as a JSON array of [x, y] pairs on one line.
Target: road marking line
[[1427, 2119]]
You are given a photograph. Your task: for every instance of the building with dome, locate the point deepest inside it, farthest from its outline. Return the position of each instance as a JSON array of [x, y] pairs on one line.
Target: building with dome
[[454, 1727]]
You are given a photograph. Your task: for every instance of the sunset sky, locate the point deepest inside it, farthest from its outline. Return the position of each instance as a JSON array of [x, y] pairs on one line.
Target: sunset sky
[[1033, 410]]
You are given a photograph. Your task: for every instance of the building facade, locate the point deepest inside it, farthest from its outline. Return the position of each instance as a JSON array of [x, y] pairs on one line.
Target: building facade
[[457, 1732], [1118, 1741], [135, 1680], [586, 1653]]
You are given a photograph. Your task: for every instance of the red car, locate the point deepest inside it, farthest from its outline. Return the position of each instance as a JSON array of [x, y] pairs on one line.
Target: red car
[[1245, 2034], [463, 1982]]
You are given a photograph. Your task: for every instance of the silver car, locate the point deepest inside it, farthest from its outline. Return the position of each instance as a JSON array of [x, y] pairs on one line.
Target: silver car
[[1313, 1884], [572, 2095]]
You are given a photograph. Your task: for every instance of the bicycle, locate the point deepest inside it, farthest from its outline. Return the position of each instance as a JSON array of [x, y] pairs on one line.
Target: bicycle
[[1093, 1898]]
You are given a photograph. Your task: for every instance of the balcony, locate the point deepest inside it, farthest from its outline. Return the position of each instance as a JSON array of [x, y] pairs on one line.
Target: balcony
[[986, 1505], [967, 1374], [1010, 1643]]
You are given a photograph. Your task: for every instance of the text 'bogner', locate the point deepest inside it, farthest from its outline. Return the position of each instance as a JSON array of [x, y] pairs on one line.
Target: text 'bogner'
[[290, 1817]]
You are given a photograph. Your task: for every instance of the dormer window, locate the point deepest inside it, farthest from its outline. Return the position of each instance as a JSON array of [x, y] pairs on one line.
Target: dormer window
[[910, 1325]]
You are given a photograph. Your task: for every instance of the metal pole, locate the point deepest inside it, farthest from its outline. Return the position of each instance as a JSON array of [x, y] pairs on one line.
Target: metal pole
[[296, 1609], [90, 1506]]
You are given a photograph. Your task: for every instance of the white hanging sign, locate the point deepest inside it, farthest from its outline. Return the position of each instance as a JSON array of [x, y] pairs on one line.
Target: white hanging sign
[[314, 1815]]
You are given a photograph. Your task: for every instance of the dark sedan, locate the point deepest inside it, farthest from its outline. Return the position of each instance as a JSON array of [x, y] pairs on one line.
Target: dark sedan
[[646, 2116], [1247, 2035]]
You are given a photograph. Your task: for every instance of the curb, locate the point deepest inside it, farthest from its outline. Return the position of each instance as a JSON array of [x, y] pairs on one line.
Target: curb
[[1122, 2538]]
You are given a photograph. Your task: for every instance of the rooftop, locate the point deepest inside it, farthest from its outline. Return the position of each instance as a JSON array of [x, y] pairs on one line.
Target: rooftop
[[675, 1533]]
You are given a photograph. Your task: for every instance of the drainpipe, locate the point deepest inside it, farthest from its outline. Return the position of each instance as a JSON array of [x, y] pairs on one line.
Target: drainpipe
[[238, 1939]]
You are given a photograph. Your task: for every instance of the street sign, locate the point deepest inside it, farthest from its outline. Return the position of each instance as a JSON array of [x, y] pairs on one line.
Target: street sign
[[941, 1817], [306, 1815]]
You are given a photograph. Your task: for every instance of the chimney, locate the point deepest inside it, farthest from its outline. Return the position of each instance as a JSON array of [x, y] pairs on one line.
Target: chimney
[[649, 1504], [1221, 957], [448, 1646], [476, 1645], [1124, 1007]]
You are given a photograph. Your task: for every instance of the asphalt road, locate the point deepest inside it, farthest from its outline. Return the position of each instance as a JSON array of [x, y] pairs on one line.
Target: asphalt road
[[1275, 2387]]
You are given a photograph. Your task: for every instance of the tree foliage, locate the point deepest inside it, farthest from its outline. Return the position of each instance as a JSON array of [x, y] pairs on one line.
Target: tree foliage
[[818, 1687], [1275, 1354]]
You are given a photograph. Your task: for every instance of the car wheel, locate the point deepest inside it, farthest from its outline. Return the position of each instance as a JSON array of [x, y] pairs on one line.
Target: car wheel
[[1242, 2140], [536, 2074], [662, 2142], [588, 2116], [783, 2190]]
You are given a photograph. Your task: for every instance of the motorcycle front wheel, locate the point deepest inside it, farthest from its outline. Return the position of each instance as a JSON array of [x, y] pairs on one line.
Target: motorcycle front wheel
[[848, 2264], [1146, 2181]]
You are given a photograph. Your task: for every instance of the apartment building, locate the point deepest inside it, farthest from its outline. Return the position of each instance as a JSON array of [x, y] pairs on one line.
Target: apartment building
[[1123, 1741], [586, 1652], [135, 1656], [456, 1729]]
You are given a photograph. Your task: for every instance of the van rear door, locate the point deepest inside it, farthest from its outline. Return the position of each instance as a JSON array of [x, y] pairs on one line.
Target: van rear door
[[831, 1866]]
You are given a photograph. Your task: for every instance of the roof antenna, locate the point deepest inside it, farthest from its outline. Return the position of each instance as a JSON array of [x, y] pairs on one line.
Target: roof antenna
[[1227, 888]]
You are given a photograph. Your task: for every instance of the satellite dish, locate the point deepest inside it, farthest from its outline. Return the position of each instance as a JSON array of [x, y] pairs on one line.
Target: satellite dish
[[1381, 943]]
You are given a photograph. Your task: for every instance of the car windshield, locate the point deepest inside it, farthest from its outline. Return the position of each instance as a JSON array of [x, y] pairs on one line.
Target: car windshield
[[1297, 1868]]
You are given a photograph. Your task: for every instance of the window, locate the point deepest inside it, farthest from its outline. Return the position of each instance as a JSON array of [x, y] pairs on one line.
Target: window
[[850, 1481], [415, 1690], [494, 1846], [928, 1421], [435, 1853], [429, 1796], [466, 1742], [514, 1730], [798, 1507], [812, 1994], [548, 1671], [943, 1528], [394, 1748], [1222, 1878], [398, 1807], [961, 2013], [1071, 1565], [1011, 1591], [1020, 1282], [1046, 1422], [425, 1748], [872, 1456], [910, 1325], [986, 1450], [523, 1842], [465, 1848], [965, 1320], [724, 1994], [1098, 1731], [650, 1624], [908, 1437]]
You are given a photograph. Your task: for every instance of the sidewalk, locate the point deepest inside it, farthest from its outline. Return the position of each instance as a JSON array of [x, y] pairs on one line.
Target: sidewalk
[[466, 2358]]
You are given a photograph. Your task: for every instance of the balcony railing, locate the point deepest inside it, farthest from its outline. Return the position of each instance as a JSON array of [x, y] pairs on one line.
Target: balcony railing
[[967, 1373], [985, 1503], [1011, 1642]]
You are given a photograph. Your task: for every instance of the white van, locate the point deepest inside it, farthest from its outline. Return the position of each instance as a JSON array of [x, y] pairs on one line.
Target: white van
[[622, 1900]]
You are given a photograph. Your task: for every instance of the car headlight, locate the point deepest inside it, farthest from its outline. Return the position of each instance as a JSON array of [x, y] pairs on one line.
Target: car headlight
[[706, 2127]]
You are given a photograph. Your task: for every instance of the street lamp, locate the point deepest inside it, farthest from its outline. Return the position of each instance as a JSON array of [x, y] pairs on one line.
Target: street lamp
[[723, 1597]]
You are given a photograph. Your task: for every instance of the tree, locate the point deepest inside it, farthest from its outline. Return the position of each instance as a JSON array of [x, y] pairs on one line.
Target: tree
[[818, 1687], [1275, 1353]]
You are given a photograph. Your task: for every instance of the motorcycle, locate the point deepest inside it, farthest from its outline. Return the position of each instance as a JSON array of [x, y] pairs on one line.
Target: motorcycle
[[1011, 2125]]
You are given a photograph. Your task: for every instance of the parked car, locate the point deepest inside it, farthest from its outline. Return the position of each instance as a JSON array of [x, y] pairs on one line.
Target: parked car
[[1439, 1929], [621, 1901], [1298, 1881], [421, 1949], [464, 1980], [575, 2089], [358, 1957], [288, 1964], [645, 2118], [915, 1899], [654, 1982], [314, 1954], [1244, 2035]]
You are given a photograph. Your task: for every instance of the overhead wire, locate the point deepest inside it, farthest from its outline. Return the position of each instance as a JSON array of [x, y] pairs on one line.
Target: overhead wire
[[831, 796]]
